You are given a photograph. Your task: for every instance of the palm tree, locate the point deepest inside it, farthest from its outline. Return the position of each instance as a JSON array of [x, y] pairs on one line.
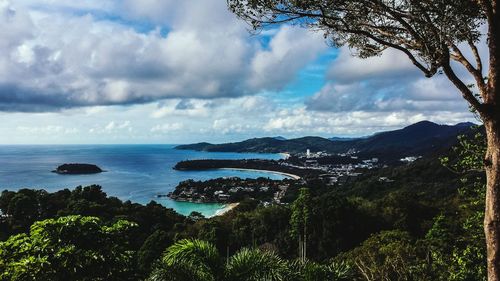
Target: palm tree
[[255, 265], [311, 271], [196, 260]]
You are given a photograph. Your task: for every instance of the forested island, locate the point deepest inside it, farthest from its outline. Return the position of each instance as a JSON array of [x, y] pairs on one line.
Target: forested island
[[77, 169]]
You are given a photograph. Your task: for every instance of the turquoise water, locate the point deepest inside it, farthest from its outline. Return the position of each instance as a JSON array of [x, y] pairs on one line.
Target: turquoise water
[[133, 172]]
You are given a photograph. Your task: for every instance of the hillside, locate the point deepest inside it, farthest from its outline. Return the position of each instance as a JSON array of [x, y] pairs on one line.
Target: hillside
[[418, 139]]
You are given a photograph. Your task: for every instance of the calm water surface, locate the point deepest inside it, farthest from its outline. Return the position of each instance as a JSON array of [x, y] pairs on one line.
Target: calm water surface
[[133, 172]]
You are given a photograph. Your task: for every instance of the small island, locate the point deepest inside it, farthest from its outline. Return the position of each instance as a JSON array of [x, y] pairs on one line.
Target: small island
[[77, 169]]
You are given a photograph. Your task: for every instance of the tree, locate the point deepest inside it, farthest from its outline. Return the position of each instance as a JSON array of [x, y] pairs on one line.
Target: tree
[[301, 212], [255, 265], [152, 249], [69, 248], [197, 260], [311, 271], [388, 255], [456, 241], [194, 260], [436, 36]]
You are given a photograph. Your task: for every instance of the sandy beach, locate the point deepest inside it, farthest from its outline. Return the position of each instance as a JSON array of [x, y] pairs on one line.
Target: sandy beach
[[285, 155], [295, 177], [227, 208]]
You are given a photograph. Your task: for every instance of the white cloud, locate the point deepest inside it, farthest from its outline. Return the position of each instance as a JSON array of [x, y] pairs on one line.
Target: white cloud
[[290, 50], [387, 83], [300, 121], [190, 67], [67, 59], [164, 128], [47, 130], [391, 64]]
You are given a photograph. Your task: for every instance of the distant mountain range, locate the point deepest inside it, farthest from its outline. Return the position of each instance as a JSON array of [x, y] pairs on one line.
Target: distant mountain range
[[418, 139], [344, 139]]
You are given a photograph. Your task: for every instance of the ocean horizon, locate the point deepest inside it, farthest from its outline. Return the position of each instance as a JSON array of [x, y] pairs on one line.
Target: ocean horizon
[[135, 172]]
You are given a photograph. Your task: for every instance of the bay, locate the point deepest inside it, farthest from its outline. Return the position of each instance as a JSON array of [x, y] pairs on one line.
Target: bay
[[133, 172]]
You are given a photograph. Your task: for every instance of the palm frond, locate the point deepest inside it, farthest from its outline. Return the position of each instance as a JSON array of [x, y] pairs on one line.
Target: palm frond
[[190, 260], [255, 265]]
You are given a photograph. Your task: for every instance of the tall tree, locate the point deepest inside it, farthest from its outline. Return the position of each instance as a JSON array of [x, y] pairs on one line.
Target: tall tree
[[301, 212], [432, 34]]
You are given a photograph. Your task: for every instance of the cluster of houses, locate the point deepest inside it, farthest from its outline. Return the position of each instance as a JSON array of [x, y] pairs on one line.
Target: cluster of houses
[[232, 189], [334, 173]]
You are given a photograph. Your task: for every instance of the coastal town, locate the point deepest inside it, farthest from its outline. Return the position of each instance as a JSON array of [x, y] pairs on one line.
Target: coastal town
[[233, 189], [332, 170]]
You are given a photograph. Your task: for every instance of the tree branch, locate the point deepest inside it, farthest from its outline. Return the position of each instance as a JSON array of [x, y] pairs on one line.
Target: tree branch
[[477, 57], [428, 72], [459, 57], [466, 92]]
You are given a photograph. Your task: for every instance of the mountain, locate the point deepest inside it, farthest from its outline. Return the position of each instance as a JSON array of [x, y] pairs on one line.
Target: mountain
[[280, 138], [418, 139], [201, 146], [342, 139]]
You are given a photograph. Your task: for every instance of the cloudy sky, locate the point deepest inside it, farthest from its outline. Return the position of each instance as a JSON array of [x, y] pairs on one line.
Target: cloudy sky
[[170, 71]]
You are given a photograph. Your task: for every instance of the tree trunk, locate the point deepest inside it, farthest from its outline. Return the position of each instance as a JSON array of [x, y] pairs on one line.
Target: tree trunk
[[300, 247], [491, 120], [305, 241], [492, 212]]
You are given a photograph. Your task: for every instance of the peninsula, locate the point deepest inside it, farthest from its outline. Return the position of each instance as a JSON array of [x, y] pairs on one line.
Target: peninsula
[[234, 189], [247, 164]]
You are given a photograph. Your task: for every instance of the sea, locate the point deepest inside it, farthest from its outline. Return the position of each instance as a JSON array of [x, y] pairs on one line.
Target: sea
[[138, 173]]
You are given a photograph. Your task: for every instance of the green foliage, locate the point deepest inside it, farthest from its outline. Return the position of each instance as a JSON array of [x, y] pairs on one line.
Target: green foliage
[[301, 212], [194, 260], [388, 255], [69, 248], [457, 242], [152, 249], [255, 265], [300, 219], [190, 260], [339, 224], [153, 220], [418, 227], [312, 271], [261, 226], [468, 154]]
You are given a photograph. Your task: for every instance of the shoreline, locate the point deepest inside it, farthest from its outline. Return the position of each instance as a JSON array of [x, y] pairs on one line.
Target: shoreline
[[225, 209], [285, 155], [295, 177]]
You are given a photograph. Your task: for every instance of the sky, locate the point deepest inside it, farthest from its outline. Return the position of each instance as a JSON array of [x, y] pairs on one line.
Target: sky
[[170, 71]]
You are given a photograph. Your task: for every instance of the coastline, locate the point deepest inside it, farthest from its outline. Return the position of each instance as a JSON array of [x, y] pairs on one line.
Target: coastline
[[295, 177], [285, 155], [222, 211]]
